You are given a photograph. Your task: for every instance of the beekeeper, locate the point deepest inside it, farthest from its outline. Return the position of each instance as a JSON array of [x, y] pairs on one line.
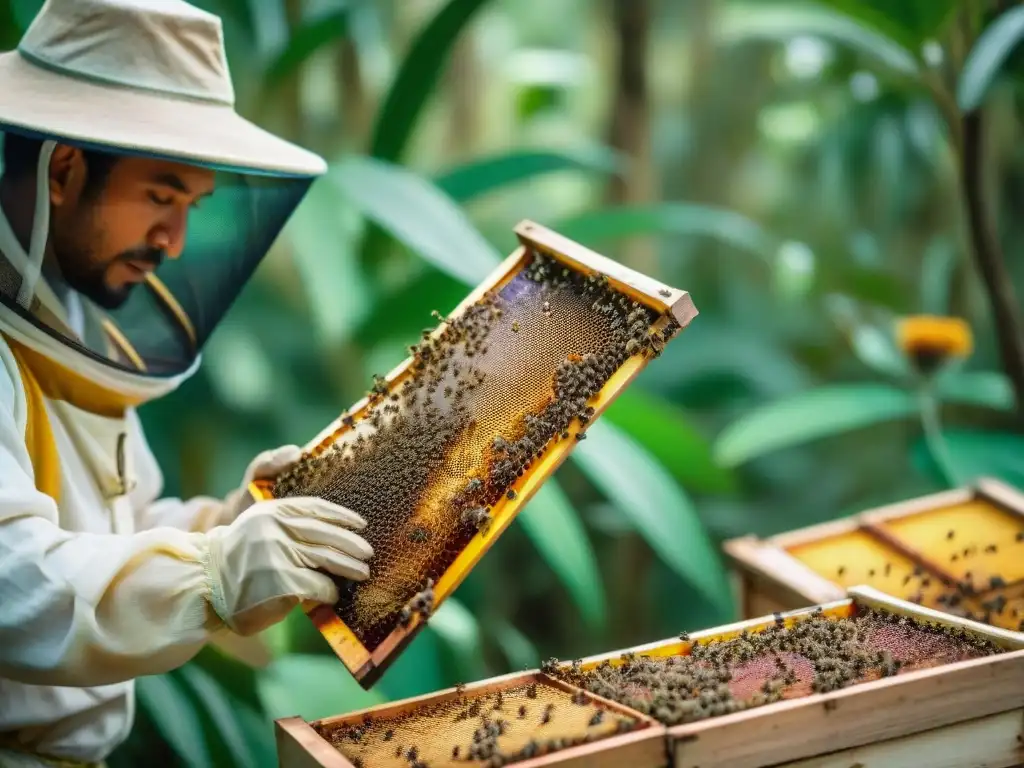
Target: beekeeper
[[136, 205]]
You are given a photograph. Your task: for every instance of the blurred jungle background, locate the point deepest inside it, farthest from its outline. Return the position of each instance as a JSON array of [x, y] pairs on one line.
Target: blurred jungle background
[[810, 172]]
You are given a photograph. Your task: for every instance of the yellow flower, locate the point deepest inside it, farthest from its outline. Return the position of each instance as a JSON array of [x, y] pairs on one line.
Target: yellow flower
[[929, 341]]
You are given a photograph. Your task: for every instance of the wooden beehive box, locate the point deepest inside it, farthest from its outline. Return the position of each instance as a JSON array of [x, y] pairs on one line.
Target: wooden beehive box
[[958, 713], [417, 723], [960, 551], [967, 713], [553, 331]]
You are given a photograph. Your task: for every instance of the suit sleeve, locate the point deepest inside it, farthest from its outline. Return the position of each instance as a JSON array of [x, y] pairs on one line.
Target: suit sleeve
[[84, 609], [197, 514]]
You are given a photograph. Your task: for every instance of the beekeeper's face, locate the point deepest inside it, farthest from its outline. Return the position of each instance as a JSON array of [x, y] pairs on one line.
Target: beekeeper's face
[[108, 231]]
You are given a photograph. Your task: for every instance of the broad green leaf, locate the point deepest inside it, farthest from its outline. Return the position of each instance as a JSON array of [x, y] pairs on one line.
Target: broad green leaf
[[979, 453], [305, 41], [877, 350], [718, 351], [664, 432], [415, 81], [556, 530], [416, 671], [23, 12], [937, 268], [311, 687], [520, 652], [322, 235], [812, 415], [175, 718], [984, 62], [459, 630], [230, 673], [909, 22], [739, 23], [989, 389], [488, 174], [607, 224], [659, 509], [222, 711], [405, 311], [417, 214], [260, 732]]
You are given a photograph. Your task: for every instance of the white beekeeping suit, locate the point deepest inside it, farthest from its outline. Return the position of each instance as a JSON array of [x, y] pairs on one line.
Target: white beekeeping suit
[[101, 580]]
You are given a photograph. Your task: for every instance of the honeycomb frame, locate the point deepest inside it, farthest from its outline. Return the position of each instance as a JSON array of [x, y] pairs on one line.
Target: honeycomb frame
[[942, 711], [672, 305], [904, 706], [770, 577], [300, 743]]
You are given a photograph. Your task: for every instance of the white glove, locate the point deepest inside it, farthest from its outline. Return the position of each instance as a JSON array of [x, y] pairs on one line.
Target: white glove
[[266, 466], [265, 562]]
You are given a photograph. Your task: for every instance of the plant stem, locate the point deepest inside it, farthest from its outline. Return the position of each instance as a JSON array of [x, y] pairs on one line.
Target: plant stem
[[936, 444], [988, 255]]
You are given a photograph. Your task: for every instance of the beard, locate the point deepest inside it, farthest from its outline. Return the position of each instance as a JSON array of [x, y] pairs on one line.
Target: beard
[[87, 275]]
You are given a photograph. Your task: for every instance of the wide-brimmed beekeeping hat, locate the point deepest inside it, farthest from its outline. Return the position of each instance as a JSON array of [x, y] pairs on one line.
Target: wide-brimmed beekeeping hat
[[142, 78]]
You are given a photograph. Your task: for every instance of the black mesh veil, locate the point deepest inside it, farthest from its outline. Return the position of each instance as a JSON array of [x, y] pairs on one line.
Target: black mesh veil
[[165, 321]]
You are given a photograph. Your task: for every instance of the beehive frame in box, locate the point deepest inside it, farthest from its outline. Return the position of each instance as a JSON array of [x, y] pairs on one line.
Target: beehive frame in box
[[421, 730], [903, 709], [957, 700], [447, 447], [960, 551]]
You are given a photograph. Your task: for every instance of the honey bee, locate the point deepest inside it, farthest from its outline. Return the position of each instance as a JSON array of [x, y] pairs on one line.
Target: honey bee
[[418, 535]]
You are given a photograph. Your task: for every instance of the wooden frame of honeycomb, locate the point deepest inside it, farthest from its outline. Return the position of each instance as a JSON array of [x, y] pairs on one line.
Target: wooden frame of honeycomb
[[957, 714], [674, 307], [885, 547], [301, 745]]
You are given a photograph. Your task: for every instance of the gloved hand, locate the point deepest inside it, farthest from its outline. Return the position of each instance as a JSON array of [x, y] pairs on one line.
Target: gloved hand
[[265, 562], [265, 466]]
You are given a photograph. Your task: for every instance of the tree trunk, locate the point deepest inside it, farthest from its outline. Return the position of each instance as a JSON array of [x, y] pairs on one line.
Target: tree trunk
[[629, 129], [463, 78], [988, 256]]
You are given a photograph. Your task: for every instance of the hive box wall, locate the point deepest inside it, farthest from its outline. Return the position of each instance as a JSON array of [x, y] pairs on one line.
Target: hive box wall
[[964, 713]]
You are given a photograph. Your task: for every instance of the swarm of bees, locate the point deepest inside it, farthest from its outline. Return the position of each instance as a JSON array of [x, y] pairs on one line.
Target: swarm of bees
[[422, 604], [464, 416], [486, 737], [814, 655]]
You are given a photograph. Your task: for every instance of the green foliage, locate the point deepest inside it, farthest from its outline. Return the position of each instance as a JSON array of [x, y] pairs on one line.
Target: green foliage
[[979, 454], [304, 42], [909, 22], [987, 57], [602, 226], [176, 718], [489, 174], [766, 21], [658, 508], [812, 415], [417, 77], [560, 537], [416, 213]]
